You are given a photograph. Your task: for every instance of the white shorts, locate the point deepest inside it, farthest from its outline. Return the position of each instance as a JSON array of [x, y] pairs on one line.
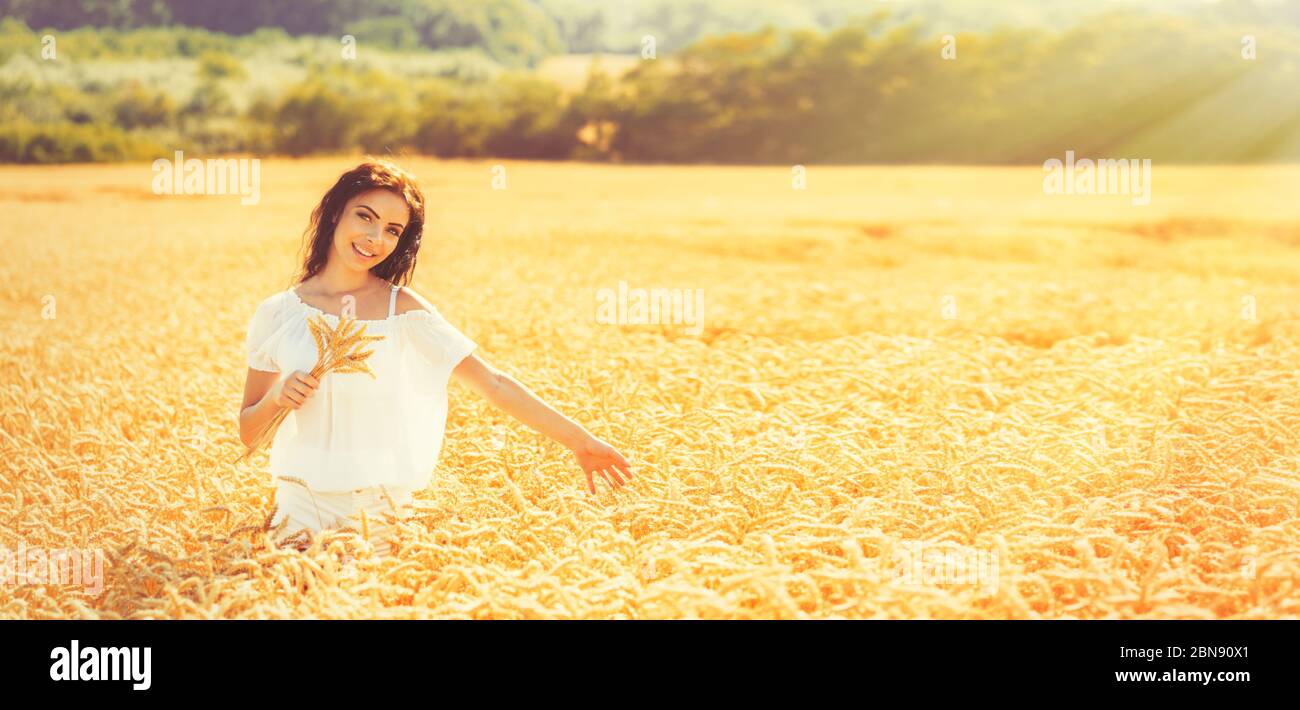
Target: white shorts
[[315, 511]]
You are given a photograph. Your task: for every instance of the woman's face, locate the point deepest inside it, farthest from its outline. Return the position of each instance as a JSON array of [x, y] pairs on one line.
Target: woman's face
[[368, 229]]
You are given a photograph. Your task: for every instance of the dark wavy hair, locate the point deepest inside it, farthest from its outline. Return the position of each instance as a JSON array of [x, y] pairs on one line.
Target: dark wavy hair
[[399, 267]]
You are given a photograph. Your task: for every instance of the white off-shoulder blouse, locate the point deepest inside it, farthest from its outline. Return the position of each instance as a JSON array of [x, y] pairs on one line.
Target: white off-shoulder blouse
[[356, 432]]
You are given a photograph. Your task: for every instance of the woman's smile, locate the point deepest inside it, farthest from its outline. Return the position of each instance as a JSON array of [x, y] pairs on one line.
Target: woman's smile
[[362, 253]]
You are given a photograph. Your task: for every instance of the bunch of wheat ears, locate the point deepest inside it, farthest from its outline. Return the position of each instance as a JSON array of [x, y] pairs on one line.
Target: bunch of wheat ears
[[337, 350]]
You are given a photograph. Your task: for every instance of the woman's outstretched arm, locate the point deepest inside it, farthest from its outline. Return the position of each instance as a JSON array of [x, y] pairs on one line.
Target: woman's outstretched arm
[[511, 397]]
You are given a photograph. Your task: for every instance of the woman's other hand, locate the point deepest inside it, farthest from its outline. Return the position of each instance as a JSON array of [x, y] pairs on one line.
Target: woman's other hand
[[295, 389], [595, 456]]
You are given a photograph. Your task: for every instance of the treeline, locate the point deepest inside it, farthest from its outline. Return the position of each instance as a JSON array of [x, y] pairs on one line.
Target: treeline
[[510, 31], [1158, 87], [521, 31], [870, 92]]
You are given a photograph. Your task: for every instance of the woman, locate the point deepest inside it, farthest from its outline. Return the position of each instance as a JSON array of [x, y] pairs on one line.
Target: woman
[[354, 443]]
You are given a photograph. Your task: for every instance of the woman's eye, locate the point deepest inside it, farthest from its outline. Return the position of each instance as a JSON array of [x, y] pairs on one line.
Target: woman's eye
[[364, 216], [393, 232]]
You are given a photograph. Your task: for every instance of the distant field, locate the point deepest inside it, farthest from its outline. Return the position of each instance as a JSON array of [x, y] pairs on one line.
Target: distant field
[[1097, 402]]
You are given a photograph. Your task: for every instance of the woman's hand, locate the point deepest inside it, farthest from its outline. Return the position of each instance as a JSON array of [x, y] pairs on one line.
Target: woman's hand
[[595, 455], [295, 389]]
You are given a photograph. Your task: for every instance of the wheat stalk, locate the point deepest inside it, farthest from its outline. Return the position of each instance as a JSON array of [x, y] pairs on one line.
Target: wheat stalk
[[338, 350]]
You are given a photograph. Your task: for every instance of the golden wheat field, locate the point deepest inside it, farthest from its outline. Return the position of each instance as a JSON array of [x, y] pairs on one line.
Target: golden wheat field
[[1099, 398]]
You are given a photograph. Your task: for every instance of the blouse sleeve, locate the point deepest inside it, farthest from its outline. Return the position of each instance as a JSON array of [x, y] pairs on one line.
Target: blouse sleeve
[[437, 341], [258, 342]]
